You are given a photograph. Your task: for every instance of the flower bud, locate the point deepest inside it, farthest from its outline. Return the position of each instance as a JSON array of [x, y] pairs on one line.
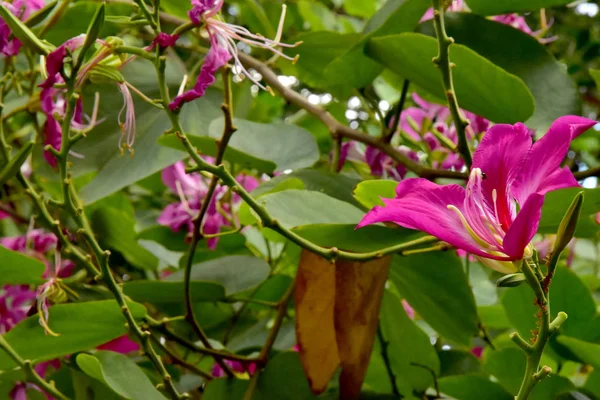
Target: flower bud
[[512, 280], [567, 226]]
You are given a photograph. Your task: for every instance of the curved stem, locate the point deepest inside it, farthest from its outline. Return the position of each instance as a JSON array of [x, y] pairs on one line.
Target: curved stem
[[30, 372], [397, 112], [442, 61]]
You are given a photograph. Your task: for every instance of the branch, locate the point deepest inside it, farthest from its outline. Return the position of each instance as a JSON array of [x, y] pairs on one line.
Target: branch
[[398, 112], [442, 61], [337, 129], [30, 372], [580, 175]]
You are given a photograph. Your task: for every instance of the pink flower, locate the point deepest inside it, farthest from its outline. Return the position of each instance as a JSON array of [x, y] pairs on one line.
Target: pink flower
[[456, 5], [509, 173], [192, 190], [9, 45], [15, 302], [36, 241], [223, 47], [163, 40], [384, 166]]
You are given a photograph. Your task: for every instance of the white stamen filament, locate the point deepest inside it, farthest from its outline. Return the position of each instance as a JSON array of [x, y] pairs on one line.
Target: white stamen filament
[[182, 86], [468, 228]]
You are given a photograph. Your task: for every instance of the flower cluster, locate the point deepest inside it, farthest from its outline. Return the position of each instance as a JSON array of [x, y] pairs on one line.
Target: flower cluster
[[192, 190]]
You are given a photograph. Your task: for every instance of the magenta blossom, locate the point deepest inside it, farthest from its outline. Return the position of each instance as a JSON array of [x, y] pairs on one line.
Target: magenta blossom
[[192, 190], [384, 166], [15, 302], [10, 45], [223, 47], [498, 213], [35, 241]]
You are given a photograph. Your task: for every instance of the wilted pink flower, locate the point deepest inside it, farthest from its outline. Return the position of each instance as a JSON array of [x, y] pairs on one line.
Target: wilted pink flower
[[164, 40], [237, 367], [192, 190], [10, 45], [127, 127], [509, 173], [223, 47]]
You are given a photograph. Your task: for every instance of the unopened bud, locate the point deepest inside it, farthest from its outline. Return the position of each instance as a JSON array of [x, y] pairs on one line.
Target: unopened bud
[[512, 280], [567, 226]]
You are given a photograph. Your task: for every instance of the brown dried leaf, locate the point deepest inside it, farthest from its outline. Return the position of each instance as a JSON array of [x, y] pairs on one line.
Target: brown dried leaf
[[315, 332], [359, 289]]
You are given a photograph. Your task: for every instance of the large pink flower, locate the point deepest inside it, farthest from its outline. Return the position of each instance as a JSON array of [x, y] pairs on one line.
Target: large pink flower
[[509, 173]]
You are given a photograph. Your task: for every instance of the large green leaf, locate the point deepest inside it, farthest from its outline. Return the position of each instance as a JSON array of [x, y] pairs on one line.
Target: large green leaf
[[235, 273], [496, 7], [472, 387], [120, 373], [558, 202], [333, 185], [521, 55], [100, 147], [347, 237], [435, 285], [19, 269], [507, 366], [589, 353], [304, 207], [172, 292], [354, 69], [81, 326], [481, 87], [408, 345], [289, 146]]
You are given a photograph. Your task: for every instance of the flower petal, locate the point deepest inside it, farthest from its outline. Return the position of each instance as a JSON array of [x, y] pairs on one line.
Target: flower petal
[[217, 57], [423, 205], [524, 227], [500, 155], [545, 157]]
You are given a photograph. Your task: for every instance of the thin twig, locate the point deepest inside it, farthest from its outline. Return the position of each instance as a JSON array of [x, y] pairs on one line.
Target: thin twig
[[397, 112], [386, 360]]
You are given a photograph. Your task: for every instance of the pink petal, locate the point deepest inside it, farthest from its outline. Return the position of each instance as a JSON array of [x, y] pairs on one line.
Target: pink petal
[[500, 155], [191, 184], [122, 345], [423, 205], [524, 227], [217, 57], [538, 174]]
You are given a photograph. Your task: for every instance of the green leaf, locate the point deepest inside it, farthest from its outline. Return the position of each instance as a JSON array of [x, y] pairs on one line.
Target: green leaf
[[81, 326], [408, 345], [493, 317], [354, 69], [289, 146], [100, 148], [19, 269], [304, 207], [13, 167], [333, 185], [318, 50], [520, 54], [435, 285], [507, 366], [472, 387], [235, 273], [115, 229], [369, 193], [119, 373], [347, 237], [93, 31], [557, 203], [172, 292], [22, 32], [481, 87], [209, 147], [283, 378], [588, 353], [360, 8], [226, 389], [485, 7], [551, 387], [317, 15]]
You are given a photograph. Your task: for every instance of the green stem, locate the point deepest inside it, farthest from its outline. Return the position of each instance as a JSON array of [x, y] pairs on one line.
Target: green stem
[[442, 61], [30, 372], [533, 372]]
